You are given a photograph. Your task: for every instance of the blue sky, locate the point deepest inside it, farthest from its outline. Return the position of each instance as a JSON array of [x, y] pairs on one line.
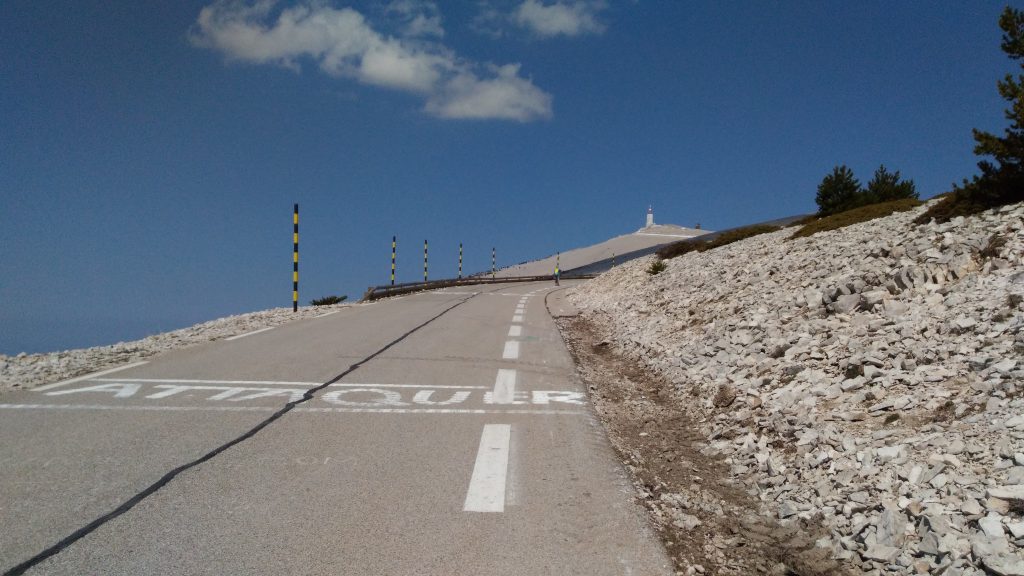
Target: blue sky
[[152, 151]]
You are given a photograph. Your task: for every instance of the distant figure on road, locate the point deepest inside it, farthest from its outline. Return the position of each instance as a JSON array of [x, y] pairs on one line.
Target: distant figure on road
[[557, 274]]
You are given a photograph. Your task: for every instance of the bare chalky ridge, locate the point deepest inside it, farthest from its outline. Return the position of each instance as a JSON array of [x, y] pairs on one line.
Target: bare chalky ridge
[[870, 377], [26, 371]]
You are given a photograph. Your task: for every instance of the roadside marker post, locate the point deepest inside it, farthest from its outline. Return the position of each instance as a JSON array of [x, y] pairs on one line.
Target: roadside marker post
[[424, 260], [492, 263], [394, 240], [295, 259], [460, 260]]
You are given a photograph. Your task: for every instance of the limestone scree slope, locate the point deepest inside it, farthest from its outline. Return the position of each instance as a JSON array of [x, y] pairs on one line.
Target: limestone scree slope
[[870, 377]]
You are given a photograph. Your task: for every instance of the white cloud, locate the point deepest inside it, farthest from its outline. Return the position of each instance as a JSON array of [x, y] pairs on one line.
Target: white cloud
[[560, 18], [504, 96], [344, 44]]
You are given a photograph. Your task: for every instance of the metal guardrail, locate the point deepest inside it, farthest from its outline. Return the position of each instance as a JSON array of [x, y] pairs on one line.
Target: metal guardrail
[[376, 292]]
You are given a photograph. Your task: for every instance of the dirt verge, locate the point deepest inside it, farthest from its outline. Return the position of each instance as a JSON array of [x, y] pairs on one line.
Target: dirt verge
[[709, 524]]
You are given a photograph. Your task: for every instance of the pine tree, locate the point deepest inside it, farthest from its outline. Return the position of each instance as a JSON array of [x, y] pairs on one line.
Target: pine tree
[[838, 191], [886, 186]]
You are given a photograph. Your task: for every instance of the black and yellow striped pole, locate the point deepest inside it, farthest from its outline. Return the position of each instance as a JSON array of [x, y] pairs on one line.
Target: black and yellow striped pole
[[424, 260], [613, 259], [460, 260], [394, 243], [492, 263], [295, 260]]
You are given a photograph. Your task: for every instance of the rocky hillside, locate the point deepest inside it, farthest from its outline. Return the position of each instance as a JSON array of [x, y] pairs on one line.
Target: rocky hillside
[[868, 378]]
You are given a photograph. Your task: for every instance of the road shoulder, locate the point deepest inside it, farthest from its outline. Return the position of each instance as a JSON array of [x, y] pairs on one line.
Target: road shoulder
[[707, 523]]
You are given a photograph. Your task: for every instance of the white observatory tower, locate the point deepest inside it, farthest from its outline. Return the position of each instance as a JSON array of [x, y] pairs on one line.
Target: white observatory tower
[[650, 217]]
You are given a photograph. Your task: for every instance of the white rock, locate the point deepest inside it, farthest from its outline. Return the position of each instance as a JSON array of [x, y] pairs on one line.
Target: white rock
[[1012, 492], [992, 526], [1015, 421], [1004, 565], [881, 553], [971, 507]]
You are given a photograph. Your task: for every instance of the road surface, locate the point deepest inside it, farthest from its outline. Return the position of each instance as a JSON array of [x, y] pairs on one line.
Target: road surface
[[437, 433]]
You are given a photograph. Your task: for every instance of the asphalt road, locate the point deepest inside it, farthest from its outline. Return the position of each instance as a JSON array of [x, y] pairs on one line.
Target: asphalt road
[[438, 433]]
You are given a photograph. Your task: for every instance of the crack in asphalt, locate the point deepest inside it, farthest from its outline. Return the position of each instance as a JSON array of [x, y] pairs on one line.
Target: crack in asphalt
[[166, 478]]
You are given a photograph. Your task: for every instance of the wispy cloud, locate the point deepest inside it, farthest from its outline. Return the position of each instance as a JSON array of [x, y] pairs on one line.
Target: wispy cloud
[[421, 18], [560, 18], [542, 18], [344, 44]]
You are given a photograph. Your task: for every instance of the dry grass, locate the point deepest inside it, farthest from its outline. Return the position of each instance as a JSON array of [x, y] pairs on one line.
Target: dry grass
[[972, 199], [728, 237], [856, 216]]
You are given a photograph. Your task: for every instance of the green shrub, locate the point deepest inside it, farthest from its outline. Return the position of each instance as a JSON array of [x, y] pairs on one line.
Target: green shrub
[[841, 192], [328, 300], [855, 216], [837, 192], [657, 267], [697, 245], [886, 186]]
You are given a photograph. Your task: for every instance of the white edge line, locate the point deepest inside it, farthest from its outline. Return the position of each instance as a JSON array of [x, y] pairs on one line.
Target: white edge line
[[249, 333], [88, 376], [327, 314], [132, 407], [486, 491]]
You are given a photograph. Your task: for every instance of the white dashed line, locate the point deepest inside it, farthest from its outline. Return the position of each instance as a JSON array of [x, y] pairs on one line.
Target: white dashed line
[[504, 387], [515, 331], [511, 351], [517, 318], [88, 376], [487, 486], [249, 333]]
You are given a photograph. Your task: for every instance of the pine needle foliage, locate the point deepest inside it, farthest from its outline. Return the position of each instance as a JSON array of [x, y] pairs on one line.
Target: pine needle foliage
[[328, 300]]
